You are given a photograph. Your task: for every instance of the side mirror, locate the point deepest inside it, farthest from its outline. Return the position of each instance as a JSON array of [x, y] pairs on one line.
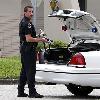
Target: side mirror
[[94, 29]]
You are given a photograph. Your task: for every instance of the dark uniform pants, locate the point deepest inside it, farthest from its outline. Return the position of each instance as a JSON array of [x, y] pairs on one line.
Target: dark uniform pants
[[28, 60]]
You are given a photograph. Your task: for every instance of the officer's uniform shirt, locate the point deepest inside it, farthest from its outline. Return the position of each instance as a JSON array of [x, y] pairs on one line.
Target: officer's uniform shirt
[[26, 27]]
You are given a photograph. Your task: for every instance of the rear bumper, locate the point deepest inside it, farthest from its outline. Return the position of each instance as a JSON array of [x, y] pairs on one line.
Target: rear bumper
[[92, 80], [76, 76]]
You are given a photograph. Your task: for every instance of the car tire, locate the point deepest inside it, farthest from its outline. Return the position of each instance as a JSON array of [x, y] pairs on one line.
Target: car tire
[[79, 90]]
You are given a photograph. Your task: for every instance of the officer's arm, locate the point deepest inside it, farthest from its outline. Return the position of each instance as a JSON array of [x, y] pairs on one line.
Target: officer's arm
[[29, 38]]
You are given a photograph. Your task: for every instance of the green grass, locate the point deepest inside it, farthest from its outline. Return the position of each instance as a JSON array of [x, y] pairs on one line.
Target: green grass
[[10, 67]]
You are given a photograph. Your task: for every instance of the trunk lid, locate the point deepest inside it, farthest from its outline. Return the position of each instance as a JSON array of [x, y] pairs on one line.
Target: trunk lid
[[80, 24]]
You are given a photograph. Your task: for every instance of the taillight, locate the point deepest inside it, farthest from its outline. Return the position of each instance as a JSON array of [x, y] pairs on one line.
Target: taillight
[[77, 61]]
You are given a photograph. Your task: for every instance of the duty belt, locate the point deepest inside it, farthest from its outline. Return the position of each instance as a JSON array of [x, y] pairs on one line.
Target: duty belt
[[29, 44]]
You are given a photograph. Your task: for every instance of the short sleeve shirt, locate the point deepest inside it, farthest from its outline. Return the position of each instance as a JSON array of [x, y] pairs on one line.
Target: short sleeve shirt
[[26, 27]]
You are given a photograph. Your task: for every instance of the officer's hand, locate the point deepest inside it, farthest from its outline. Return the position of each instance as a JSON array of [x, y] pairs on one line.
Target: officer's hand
[[44, 40]]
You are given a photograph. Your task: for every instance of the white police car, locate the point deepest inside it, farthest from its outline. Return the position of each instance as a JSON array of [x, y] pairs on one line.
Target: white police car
[[78, 65]]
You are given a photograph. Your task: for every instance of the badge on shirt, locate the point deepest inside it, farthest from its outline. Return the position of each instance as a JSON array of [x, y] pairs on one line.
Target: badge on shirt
[[29, 25]]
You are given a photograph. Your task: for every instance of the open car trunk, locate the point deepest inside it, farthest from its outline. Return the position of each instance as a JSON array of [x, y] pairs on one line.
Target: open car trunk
[[57, 55], [83, 30], [63, 55]]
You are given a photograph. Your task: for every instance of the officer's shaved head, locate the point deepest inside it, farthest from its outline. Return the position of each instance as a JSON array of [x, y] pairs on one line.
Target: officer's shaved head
[[26, 8]]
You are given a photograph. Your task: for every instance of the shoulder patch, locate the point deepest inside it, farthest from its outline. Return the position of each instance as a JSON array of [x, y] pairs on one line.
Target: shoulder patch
[[29, 25]]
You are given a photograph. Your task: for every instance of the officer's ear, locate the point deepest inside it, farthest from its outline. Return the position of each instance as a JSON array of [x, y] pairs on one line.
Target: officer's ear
[[24, 13]]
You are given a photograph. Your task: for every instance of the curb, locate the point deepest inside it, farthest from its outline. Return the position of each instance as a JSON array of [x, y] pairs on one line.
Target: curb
[[14, 81], [8, 81]]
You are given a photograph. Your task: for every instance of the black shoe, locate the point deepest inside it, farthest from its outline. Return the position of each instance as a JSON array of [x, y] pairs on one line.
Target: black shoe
[[36, 95], [22, 95]]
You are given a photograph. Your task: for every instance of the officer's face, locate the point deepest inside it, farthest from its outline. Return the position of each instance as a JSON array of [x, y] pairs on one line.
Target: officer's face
[[29, 13]]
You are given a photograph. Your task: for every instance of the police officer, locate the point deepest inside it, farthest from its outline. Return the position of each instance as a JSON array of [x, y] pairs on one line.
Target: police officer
[[28, 43]]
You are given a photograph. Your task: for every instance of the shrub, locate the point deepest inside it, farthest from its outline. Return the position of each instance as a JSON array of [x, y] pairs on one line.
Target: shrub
[[55, 44], [40, 46], [59, 44]]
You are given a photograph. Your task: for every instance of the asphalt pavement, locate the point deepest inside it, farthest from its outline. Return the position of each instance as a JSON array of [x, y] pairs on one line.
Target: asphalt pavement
[[9, 92], [50, 92]]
